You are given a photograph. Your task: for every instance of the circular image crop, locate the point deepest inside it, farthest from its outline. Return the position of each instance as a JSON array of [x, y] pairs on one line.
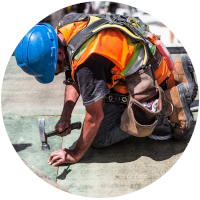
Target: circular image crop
[[100, 99]]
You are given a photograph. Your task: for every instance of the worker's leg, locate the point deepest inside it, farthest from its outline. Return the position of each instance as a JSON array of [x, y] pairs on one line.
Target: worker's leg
[[181, 115], [184, 73], [109, 131]]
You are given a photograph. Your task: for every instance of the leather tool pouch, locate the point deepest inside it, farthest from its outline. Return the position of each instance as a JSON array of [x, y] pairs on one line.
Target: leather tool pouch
[[138, 120]]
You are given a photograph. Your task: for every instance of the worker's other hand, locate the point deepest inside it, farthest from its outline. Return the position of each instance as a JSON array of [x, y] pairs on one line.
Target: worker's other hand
[[62, 125], [61, 156]]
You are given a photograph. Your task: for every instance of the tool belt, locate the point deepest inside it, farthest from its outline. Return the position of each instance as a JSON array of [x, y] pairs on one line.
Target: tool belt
[[116, 98], [154, 62], [138, 120]]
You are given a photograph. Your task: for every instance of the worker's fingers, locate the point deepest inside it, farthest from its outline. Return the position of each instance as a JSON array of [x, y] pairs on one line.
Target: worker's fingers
[[65, 159], [62, 125], [67, 132], [61, 156], [59, 162], [57, 155], [54, 153], [54, 159]]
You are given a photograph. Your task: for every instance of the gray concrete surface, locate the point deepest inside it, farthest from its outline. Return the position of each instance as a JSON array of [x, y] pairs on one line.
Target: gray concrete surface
[[44, 177], [120, 169]]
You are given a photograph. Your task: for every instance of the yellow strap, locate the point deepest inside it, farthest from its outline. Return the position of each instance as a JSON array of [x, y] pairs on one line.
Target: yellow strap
[[93, 19], [126, 31]]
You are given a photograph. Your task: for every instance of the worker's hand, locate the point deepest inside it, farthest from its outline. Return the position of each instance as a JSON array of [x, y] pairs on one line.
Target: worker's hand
[[62, 125], [62, 156]]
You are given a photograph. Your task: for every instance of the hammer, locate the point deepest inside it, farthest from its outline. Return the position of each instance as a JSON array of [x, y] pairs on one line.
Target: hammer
[[44, 136]]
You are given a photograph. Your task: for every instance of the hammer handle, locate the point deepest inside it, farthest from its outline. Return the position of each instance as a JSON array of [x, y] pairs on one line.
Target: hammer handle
[[76, 125]]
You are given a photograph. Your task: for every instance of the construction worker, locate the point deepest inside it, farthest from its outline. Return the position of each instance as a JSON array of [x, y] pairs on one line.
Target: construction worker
[[98, 69]]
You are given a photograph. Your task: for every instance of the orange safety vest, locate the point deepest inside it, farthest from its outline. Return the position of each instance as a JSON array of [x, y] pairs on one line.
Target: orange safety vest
[[112, 44]]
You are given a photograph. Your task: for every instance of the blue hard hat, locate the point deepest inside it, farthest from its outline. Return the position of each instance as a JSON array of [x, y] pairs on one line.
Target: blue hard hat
[[37, 52]]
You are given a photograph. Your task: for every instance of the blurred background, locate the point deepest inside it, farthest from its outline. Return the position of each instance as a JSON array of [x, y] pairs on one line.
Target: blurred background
[[102, 7]]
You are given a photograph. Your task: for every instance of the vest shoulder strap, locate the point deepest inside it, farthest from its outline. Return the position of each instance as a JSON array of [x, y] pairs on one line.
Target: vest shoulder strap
[[74, 17], [97, 23]]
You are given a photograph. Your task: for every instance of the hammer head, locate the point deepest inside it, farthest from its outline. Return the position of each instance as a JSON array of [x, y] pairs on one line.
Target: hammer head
[[43, 137]]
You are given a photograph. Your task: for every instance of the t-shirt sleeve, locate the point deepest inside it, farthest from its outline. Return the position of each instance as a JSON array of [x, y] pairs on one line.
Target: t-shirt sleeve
[[91, 78]]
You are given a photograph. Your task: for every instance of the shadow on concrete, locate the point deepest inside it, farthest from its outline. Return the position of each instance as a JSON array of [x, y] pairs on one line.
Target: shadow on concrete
[[65, 173], [133, 148], [20, 147], [73, 145]]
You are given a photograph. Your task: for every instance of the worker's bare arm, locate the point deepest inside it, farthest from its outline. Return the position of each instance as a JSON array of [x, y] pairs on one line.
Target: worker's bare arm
[[92, 121], [71, 96]]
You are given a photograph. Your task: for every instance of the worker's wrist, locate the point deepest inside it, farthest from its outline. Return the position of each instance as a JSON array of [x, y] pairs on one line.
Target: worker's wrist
[[67, 109], [77, 154], [66, 114], [66, 117]]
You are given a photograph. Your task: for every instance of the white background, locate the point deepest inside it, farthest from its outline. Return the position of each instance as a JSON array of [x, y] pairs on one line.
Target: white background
[[17, 181]]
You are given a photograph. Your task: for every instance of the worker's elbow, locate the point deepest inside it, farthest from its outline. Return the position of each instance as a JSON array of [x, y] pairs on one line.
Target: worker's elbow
[[95, 113]]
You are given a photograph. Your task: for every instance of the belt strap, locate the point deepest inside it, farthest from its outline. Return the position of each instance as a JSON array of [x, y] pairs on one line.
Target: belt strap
[[116, 98]]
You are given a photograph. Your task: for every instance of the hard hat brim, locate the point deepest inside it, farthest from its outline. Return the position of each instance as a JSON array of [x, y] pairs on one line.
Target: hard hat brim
[[48, 77]]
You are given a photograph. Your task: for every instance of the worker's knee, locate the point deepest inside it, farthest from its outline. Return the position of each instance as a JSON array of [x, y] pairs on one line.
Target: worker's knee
[[99, 143]]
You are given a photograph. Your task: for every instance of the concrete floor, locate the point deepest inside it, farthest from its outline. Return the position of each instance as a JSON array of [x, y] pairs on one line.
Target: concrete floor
[[120, 169]]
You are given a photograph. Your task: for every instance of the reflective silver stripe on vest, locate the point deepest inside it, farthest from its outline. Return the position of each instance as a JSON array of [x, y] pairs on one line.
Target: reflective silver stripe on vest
[[137, 64]]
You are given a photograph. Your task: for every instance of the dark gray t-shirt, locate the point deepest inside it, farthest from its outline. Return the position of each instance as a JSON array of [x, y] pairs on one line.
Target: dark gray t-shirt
[[92, 77]]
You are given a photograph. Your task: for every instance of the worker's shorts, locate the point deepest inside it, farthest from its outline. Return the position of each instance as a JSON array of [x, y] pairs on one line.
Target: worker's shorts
[[109, 131]]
